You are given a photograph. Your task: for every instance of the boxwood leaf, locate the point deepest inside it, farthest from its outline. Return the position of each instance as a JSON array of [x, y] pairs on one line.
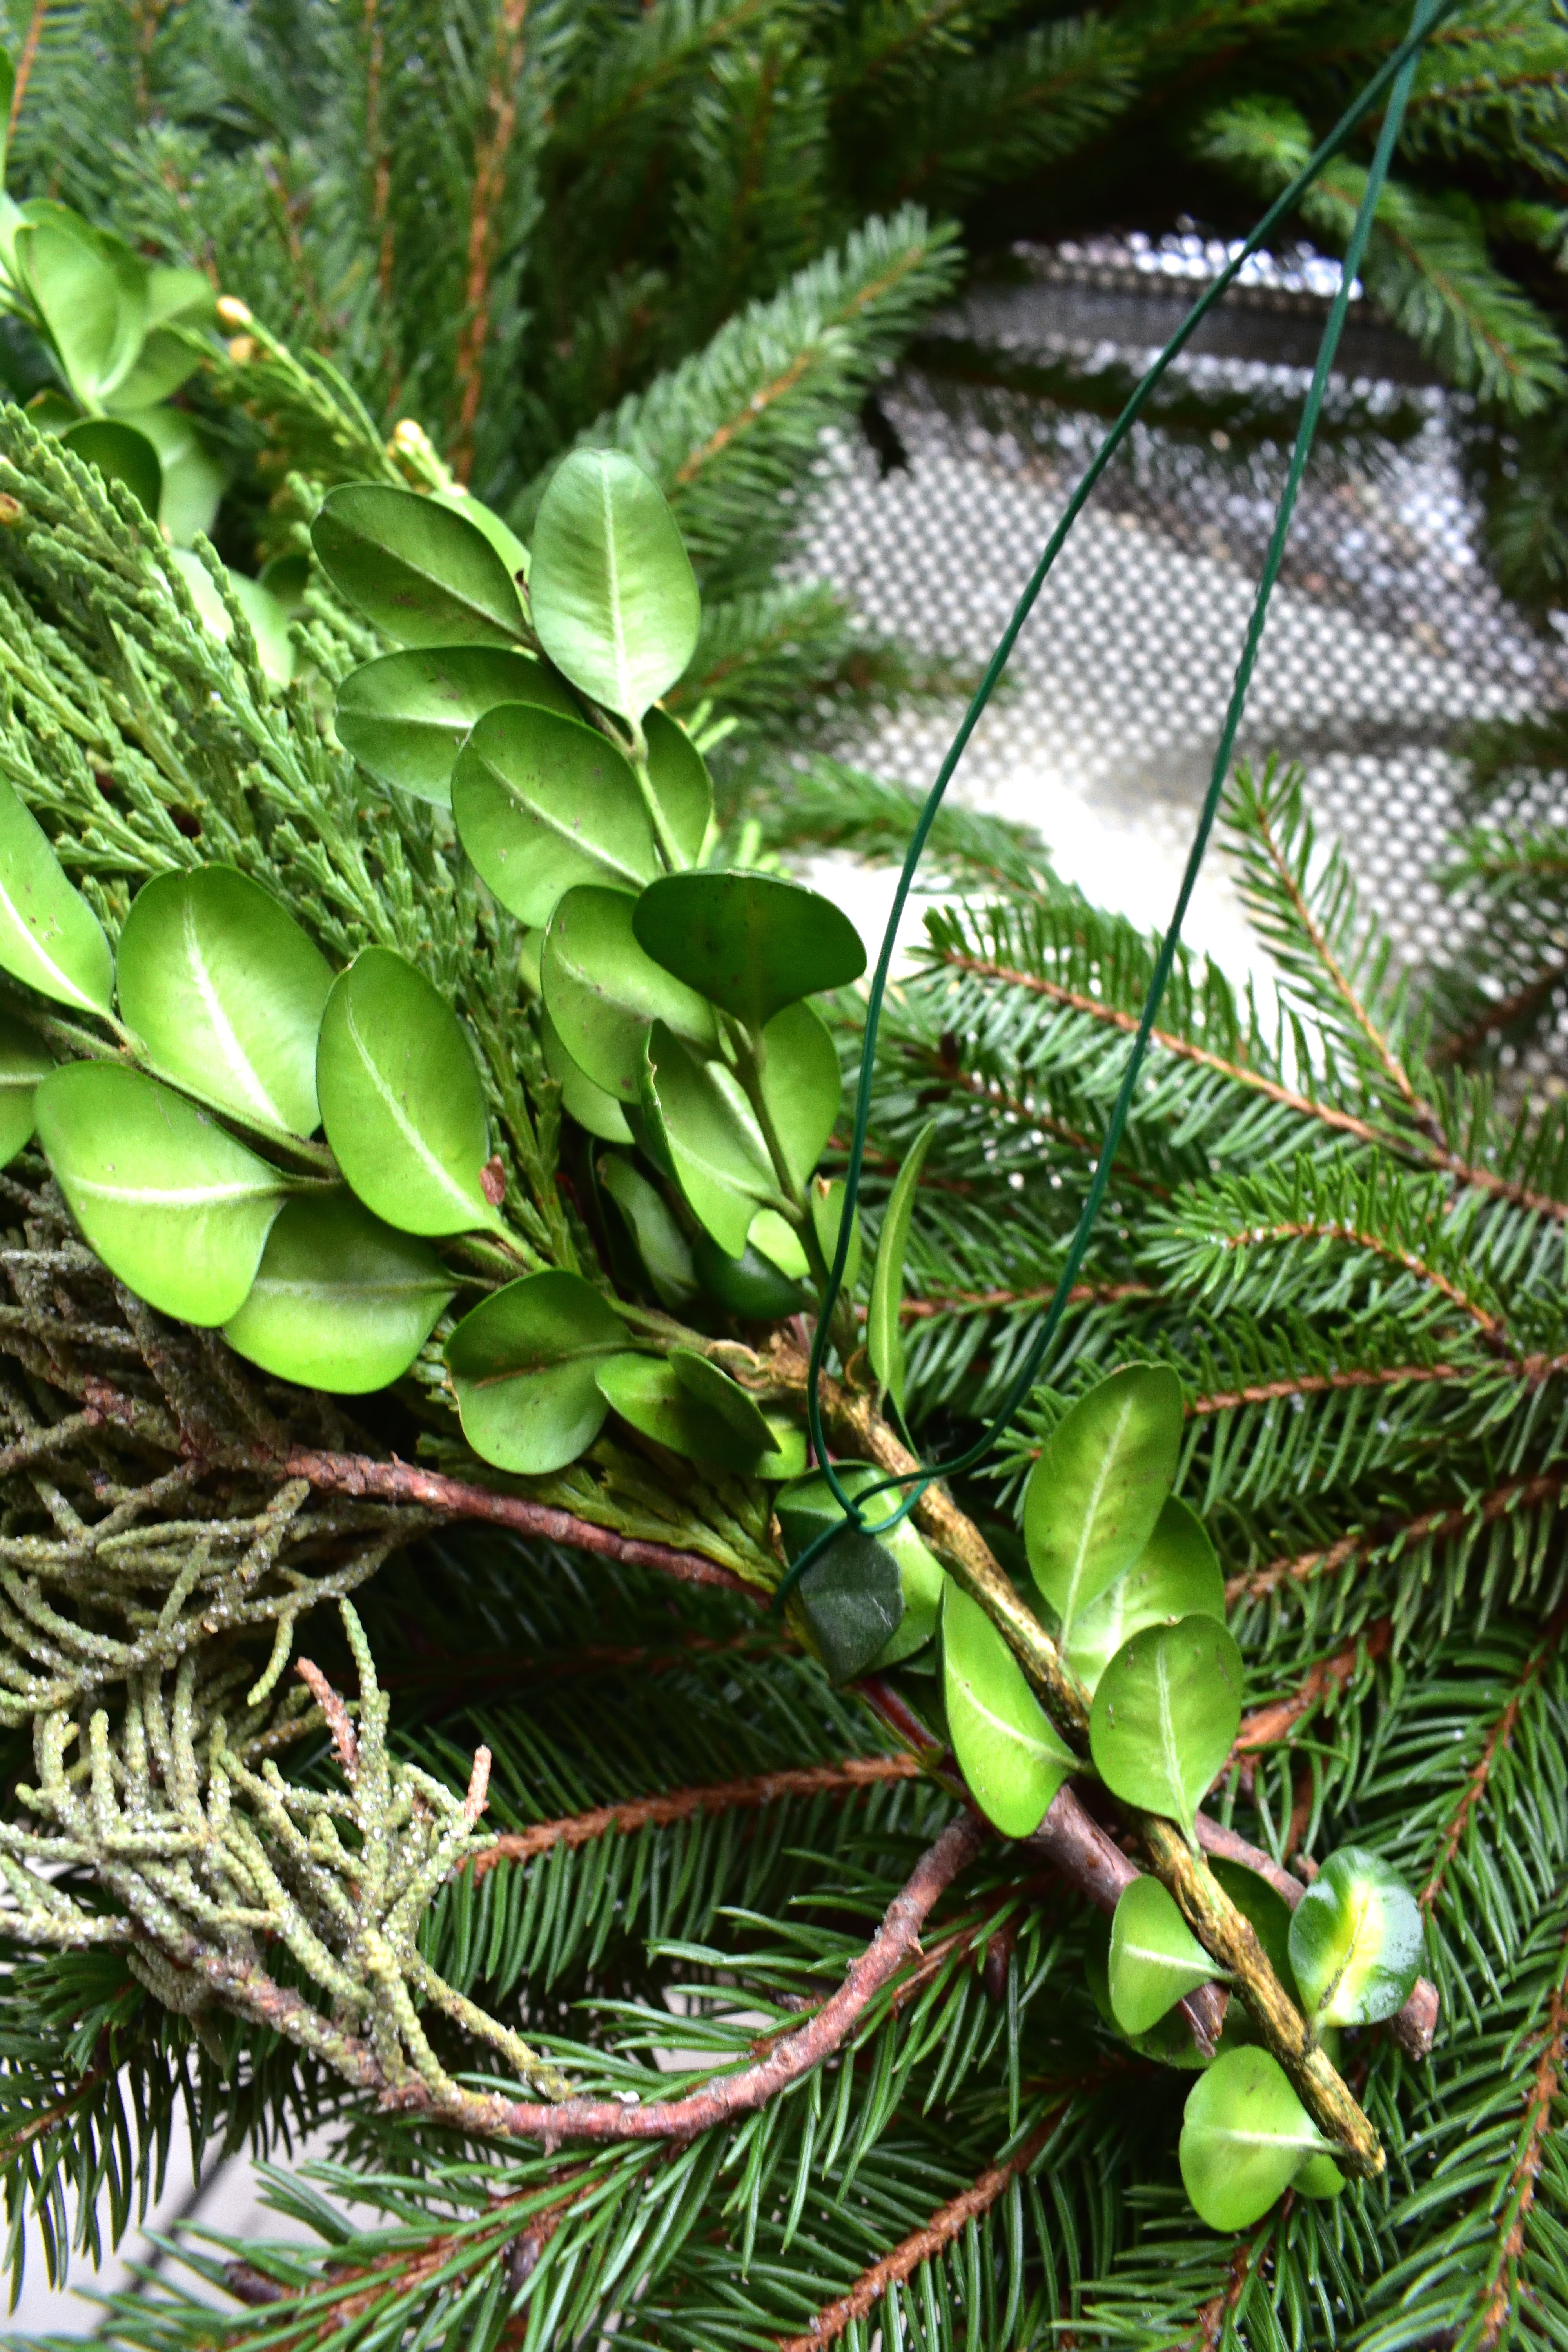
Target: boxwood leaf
[[542, 804], [1177, 1574], [1245, 2137], [802, 1084], [400, 1099], [749, 942], [603, 993], [24, 1061], [1011, 1756], [660, 1243], [681, 784], [225, 993], [1098, 1486], [884, 1332], [1319, 2177], [1164, 1715], [406, 715], [49, 936], [192, 477], [90, 291], [121, 454], [752, 1285], [808, 1510], [1355, 1941], [707, 1131], [1155, 1959], [501, 536], [589, 1104], [646, 1393], [426, 576], [339, 1301], [524, 1365], [611, 587], [718, 1393], [827, 1199], [170, 1201], [267, 616]]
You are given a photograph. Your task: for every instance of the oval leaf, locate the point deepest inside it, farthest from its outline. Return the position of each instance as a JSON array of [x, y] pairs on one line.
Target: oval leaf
[[706, 1129], [406, 717], [681, 784], [172, 1204], [660, 1243], [718, 1393], [749, 942], [121, 454], [425, 574], [192, 477], [24, 1062], [91, 293], [1355, 1941], [1155, 1959], [401, 1100], [646, 1393], [1245, 2137], [884, 1332], [809, 1508], [604, 994], [611, 587], [1098, 1488], [227, 994], [802, 1085], [751, 1287], [1164, 1715], [49, 936], [1177, 1574], [1011, 1756], [524, 1365], [339, 1302], [589, 1104], [542, 804], [827, 1199]]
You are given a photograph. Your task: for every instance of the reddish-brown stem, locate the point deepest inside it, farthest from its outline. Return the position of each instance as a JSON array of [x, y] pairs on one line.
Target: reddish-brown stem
[[1514, 1494], [25, 55], [490, 183], [1545, 2083]]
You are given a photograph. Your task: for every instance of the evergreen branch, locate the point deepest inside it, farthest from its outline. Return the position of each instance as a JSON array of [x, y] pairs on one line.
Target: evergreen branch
[[948, 2222], [1440, 1525], [489, 169], [1305, 1384], [1502, 2287], [1264, 1726], [1496, 1744], [24, 60], [663, 1811]]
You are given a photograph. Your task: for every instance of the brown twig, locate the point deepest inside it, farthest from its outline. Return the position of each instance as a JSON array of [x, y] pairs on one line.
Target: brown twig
[[663, 1812], [25, 55], [1437, 1526], [1265, 1727], [334, 1708], [1319, 1384], [490, 181], [1545, 2083]]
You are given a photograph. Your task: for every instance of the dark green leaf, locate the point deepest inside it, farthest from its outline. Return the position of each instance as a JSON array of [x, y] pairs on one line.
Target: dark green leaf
[[718, 1393], [1155, 1959], [681, 784], [1096, 1492], [749, 942], [401, 1100], [848, 1584], [225, 993], [884, 1332], [121, 454], [660, 1243], [750, 1286], [170, 1202], [802, 1085], [1356, 1940], [604, 994], [524, 1365], [708, 1132], [611, 587], [1164, 1715], [406, 715], [542, 804], [340, 1301], [1177, 1574], [646, 1391], [1245, 2137], [1006, 1747], [425, 575], [49, 936]]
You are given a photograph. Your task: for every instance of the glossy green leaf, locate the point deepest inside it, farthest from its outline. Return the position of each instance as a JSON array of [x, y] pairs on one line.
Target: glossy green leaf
[[91, 294], [863, 1613], [788, 1454], [596, 1111], [681, 784], [339, 1301], [1245, 2137], [485, 519], [406, 715], [604, 994], [611, 587], [267, 617], [425, 574], [1155, 1959], [1356, 1940], [225, 993], [749, 942], [543, 803], [178, 290], [121, 454], [707, 1131], [660, 1243], [163, 364], [1270, 1914], [400, 1099], [24, 1061], [1319, 2177], [192, 477], [827, 1200], [1169, 2041], [49, 936], [1164, 1715], [778, 1240], [1096, 1492], [718, 1393], [1008, 1751], [1177, 1574], [524, 1365], [752, 1285], [802, 1085], [649, 1393], [884, 1331], [170, 1201]]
